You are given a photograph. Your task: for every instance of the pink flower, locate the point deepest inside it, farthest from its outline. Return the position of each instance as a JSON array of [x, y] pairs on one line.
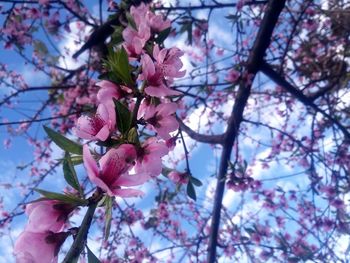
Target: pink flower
[[47, 215], [155, 80], [138, 13], [113, 171], [108, 90], [232, 76], [178, 178], [98, 126], [135, 39], [142, 15], [43, 247], [162, 119], [150, 157], [168, 61], [157, 22]]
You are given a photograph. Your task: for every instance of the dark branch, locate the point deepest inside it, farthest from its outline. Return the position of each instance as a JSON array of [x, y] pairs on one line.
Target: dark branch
[[211, 139], [278, 79], [38, 120], [218, 5], [273, 10]]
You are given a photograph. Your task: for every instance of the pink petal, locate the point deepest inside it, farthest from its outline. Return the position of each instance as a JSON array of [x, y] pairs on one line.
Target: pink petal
[[32, 247], [156, 148], [150, 112], [161, 91], [170, 123], [89, 163], [84, 128], [148, 69], [48, 217], [128, 34], [93, 171], [151, 165], [107, 91], [128, 193], [165, 109], [106, 112], [156, 51], [132, 180], [103, 134]]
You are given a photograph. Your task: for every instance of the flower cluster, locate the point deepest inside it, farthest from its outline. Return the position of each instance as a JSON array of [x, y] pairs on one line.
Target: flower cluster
[[150, 101], [135, 94], [43, 236]]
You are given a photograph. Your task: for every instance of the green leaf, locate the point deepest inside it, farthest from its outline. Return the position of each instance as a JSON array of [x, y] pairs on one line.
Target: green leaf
[[232, 17], [40, 47], [108, 216], [118, 63], [63, 142], [76, 159], [131, 21], [187, 27], [133, 136], [166, 171], [70, 175], [124, 117], [195, 181], [117, 36], [191, 192], [66, 198], [91, 256], [163, 35], [123, 66]]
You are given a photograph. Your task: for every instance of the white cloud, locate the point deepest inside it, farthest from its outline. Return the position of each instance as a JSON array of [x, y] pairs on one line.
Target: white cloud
[[72, 43]]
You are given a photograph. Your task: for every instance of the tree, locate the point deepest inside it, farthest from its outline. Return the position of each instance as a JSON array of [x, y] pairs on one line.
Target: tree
[[266, 88]]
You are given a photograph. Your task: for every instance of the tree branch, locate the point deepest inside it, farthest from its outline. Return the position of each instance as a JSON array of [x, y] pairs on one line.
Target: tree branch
[[273, 10], [218, 5], [278, 79], [211, 139], [80, 240]]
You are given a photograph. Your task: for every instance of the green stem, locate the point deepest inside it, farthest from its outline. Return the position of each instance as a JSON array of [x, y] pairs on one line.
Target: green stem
[[80, 240]]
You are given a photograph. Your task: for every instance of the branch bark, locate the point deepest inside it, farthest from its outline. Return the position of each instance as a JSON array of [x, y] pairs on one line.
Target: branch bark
[[262, 41], [211, 139], [278, 79], [215, 6], [80, 240]]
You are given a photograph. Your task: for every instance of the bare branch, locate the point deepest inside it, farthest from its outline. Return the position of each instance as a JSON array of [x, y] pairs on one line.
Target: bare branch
[[211, 139], [256, 56]]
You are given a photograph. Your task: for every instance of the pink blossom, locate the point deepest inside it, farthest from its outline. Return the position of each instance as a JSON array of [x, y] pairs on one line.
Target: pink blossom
[[108, 90], [113, 171], [162, 119], [150, 157], [142, 15], [47, 215], [178, 178], [135, 39], [98, 126], [157, 22], [337, 203], [155, 81], [43, 247], [232, 76], [169, 62], [139, 13]]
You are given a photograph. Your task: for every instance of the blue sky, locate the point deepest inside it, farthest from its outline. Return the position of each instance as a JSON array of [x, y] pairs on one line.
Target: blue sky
[[203, 159]]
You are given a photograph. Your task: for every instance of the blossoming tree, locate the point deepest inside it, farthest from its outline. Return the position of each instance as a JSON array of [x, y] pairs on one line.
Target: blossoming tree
[[263, 83]]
